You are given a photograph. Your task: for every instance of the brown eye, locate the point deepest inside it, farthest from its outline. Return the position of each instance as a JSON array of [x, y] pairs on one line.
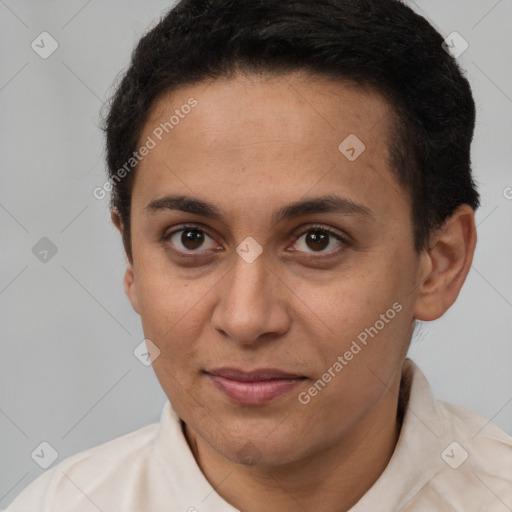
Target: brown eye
[[189, 239], [317, 239], [192, 239]]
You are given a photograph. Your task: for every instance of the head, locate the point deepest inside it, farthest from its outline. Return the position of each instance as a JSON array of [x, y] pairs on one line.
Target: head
[[296, 188]]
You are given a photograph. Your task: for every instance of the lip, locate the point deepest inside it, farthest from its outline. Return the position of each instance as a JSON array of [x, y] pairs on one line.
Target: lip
[[253, 375], [253, 387]]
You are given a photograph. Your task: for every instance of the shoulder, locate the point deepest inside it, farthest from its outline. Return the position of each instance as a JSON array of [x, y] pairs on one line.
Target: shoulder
[[457, 459], [477, 459], [75, 477], [488, 446]]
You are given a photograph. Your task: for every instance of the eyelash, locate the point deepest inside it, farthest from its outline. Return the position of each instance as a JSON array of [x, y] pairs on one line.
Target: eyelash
[[298, 233]]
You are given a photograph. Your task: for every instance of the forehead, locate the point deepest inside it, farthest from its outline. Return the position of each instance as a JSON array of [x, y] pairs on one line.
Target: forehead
[[316, 110], [271, 139]]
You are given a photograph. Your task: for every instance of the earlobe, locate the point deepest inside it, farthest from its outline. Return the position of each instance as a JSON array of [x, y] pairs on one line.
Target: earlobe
[[446, 265]]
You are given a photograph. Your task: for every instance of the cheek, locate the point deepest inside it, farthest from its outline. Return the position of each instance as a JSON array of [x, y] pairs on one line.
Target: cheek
[[171, 309], [349, 302], [164, 296], [360, 329], [172, 318], [356, 368]]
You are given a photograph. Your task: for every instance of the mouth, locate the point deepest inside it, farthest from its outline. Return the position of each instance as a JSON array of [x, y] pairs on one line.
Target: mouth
[[254, 387]]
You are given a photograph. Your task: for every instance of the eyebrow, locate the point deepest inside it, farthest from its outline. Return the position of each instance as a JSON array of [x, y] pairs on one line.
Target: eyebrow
[[322, 204]]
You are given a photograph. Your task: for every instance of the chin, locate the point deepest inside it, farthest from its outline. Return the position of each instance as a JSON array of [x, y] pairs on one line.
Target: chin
[[253, 446]]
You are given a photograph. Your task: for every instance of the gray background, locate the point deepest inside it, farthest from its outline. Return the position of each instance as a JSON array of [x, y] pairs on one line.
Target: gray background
[[68, 375]]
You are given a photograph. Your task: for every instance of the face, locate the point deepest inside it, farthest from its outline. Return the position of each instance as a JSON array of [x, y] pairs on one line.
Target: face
[[280, 327]]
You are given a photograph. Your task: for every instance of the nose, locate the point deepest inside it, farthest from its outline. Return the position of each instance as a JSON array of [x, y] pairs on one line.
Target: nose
[[251, 306]]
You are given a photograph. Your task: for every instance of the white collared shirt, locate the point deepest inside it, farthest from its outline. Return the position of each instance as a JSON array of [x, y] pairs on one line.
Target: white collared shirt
[[447, 459]]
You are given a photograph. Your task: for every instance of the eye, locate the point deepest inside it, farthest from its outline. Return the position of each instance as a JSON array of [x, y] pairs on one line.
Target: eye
[[317, 238], [192, 238], [189, 239]]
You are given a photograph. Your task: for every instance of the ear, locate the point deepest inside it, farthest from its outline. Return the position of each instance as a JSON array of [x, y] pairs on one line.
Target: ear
[[446, 264], [129, 277]]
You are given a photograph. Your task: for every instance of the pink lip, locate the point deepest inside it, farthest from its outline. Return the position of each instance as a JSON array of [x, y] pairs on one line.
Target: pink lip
[[255, 387]]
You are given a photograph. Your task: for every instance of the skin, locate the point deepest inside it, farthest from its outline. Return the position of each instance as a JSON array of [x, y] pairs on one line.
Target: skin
[[250, 146]]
